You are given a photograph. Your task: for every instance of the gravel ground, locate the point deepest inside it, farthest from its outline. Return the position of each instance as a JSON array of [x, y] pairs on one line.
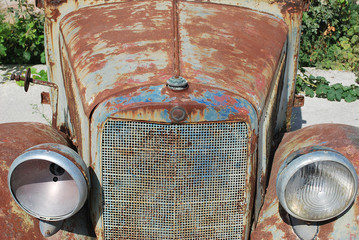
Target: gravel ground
[[16, 105]]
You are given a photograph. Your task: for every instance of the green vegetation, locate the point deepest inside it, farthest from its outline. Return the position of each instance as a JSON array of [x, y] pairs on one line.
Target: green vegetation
[[22, 35], [330, 40], [330, 35], [320, 87], [40, 110], [41, 75]]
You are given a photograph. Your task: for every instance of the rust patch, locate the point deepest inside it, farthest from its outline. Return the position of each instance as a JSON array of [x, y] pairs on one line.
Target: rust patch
[[133, 42], [298, 101], [230, 48], [45, 98], [220, 46], [154, 103], [55, 2], [52, 14], [293, 6], [68, 81], [27, 222]]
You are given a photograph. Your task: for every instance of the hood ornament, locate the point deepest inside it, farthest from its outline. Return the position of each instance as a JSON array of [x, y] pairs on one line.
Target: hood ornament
[[177, 83]]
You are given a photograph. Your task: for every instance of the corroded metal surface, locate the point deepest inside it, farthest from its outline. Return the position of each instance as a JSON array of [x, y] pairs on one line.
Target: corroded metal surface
[[266, 139], [154, 103], [274, 222], [45, 98], [230, 48], [15, 138], [183, 181], [298, 101], [132, 45], [288, 10]]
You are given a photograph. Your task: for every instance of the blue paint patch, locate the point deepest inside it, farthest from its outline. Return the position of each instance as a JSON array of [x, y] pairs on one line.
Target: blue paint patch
[[219, 105], [143, 95], [165, 115], [210, 114]]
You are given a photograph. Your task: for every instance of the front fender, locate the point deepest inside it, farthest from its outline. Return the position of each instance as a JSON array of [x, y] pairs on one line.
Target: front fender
[[274, 222], [15, 223]]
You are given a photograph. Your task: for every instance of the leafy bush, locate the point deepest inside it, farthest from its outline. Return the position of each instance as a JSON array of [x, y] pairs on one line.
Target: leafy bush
[[330, 40], [319, 87], [330, 35], [22, 39]]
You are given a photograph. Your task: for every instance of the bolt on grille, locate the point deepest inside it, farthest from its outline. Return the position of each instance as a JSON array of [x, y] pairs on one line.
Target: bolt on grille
[[173, 181]]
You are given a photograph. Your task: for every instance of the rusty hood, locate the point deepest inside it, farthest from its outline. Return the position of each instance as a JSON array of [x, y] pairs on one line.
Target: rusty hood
[[121, 46]]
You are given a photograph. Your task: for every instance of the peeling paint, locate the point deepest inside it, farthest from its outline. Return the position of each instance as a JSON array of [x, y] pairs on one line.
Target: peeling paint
[[27, 222], [218, 47]]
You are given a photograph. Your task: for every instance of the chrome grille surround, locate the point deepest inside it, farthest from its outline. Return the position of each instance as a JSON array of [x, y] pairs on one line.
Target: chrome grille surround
[[163, 181]]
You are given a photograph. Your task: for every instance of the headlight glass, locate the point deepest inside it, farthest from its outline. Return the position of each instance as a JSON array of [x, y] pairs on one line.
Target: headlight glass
[[317, 186], [319, 190]]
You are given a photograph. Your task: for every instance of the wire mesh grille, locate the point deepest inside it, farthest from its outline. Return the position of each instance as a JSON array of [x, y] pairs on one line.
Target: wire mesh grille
[[173, 181]]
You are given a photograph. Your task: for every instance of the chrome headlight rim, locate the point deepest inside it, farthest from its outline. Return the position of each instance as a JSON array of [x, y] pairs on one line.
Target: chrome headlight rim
[[65, 163], [297, 162]]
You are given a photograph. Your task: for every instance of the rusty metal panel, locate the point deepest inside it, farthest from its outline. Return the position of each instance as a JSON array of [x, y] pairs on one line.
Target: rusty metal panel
[[154, 103], [286, 105], [132, 44], [129, 45], [230, 48], [298, 101], [15, 138], [266, 137], [275, 7], [158, 65], [290, 11], [274, 222]]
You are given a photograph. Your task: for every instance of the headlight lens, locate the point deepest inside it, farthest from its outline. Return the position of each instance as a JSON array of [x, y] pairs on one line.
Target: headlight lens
[[317, 186]]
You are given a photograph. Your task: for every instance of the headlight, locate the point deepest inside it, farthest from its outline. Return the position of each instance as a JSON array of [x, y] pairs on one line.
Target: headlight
[[317, 186], [49, 181]]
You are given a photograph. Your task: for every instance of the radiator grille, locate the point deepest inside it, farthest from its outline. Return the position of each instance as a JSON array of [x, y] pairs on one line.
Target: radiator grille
[[173, 181]]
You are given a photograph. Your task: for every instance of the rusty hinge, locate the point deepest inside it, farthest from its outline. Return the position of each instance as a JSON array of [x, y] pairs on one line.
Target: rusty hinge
[[45, 98], [298, 101]]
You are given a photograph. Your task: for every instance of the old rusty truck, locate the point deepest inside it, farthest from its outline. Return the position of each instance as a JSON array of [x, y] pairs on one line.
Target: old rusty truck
[[170, 121]]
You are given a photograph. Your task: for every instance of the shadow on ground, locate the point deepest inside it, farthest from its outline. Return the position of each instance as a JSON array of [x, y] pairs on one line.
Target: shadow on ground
[[297, 119]]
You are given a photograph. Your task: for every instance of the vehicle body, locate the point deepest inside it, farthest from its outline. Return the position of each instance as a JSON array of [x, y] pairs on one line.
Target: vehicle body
[[166, 117]]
